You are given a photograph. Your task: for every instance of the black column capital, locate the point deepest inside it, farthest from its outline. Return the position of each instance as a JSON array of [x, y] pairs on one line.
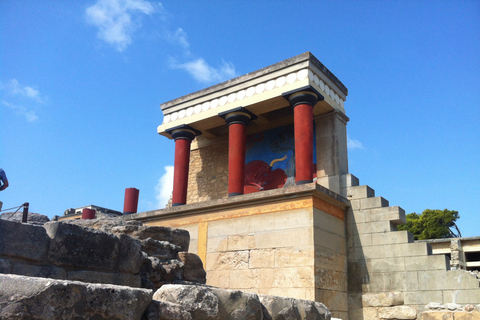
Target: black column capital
[[237, 115], [305, 95], [183, 132]]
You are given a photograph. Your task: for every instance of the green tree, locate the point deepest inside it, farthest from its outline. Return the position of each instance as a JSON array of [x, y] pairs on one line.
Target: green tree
[[432, 224]]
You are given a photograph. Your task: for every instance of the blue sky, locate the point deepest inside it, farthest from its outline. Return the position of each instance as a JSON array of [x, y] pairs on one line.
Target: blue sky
[[81, 83]]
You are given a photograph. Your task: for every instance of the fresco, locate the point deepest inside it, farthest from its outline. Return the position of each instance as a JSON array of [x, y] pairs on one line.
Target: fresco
[[270, 159]]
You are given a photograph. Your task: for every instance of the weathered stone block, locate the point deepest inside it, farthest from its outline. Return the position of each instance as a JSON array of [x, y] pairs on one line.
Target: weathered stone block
[[375, 202], [335, 301], [330, 280], [38, 298], [329, 242], [422, 297], [119, 279], [5, 266], [327, 222], [287, 308], [216, 244], [408, 249], [33, 245], [73, 245], [397, 312], [293, 257], [227, 260], [176, 237], [387, 264], [161, 310], [461, 296], [193, 267], [240, 242], [436, 316], [284, 238], [45, 271], [374, 227], [393, 214], [291, 219], [466, 315], [383, 299], [294, 277], [264, 258], [330, 261]]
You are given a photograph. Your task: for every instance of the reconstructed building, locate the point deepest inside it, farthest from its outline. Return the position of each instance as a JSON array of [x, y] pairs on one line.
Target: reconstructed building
[[261, 182]]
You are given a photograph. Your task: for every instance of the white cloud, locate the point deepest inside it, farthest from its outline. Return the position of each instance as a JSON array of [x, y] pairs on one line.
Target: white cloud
[[354, 144], [24, 100], [30, 115], [164, 187], [205, 73], [113, 18]]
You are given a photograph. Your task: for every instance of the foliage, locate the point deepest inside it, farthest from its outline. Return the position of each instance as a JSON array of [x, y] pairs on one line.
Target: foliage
[[432, 224]]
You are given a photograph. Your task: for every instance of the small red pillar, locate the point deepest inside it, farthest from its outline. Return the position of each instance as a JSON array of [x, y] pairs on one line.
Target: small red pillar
[[88, 213], [130, 203], [183, 138], [303, 103], [237, 121]]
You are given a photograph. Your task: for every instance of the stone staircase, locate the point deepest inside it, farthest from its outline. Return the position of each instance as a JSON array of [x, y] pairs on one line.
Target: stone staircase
[[382, 259]]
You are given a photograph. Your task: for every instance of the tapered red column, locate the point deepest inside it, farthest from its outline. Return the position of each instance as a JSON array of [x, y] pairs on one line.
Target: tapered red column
[[237, 121], [183, 138], [303, 103]]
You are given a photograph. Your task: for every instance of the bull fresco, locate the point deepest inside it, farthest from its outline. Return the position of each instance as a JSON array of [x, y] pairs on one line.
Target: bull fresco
[[270, 159]]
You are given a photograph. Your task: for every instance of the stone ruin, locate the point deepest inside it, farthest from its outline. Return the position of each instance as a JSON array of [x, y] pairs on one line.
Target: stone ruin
[[112, 269]]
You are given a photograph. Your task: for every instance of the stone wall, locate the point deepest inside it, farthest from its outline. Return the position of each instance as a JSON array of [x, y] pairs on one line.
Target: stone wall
[[381, 260], [208, 173]]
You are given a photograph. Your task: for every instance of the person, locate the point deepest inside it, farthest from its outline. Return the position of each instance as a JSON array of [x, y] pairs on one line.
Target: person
[[3, 178]]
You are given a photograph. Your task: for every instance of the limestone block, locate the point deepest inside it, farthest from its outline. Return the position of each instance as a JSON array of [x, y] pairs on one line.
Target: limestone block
[[33, 245], [44, 271], [193, 267], [374, 202], [222, 228], [359, 240], [227, 260], [387, 264], [360, 192], [335, 301], [363, 313], [130, 257], [330, 261], [262, 258], [329, 242], [293, 257], [356, 216], [397, 312], [263, 222], [466, 315], [451, 280], [216, 244], [330, 280], [373, 282], [300, 218], [462, 296], [38, 298], [433, 262], [422, 297], [408, 249], [374, 227], [383, 299], [161, 310], [349, 180], [327, 222], [298, 293], [411, 280], [436, 315], [294, 277], [240, 242], [392, 237], [372, 252], [284, 238], [394, 214], [252, 278], [219, 278]]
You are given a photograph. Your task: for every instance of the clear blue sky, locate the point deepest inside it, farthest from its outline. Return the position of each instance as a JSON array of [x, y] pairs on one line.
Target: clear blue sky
[[81, 83]]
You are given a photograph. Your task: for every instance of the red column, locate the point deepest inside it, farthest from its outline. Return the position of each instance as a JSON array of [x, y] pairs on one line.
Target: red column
[[183, 139], [88, 213], [303, 103], [236, 158], [237, 121], [130, 203]]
